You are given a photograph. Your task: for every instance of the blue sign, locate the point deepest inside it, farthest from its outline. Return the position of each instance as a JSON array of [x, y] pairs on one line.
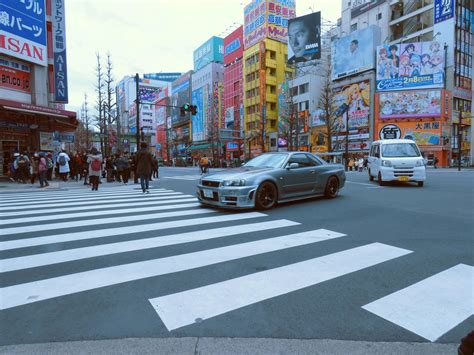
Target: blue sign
[[198, 127], [443, 10], [211, 51], [232, 46], [23, 28], [169, 77]]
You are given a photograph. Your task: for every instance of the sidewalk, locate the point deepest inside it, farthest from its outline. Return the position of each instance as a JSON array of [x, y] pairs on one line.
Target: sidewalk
[[10, 187], [221, 346]]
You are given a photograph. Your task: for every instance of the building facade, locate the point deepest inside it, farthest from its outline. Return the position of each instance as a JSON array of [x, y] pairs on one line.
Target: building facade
[[34, 87], [180, 128]]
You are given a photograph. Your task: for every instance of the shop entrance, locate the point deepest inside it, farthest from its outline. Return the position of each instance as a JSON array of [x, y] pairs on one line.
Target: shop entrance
[[7, 148]]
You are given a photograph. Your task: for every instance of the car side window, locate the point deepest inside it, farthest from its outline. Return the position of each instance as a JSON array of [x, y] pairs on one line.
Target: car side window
[[301, 159], [314, 160]]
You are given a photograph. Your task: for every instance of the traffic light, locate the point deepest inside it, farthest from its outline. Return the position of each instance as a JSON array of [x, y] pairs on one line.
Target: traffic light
[[193, 109], [188, 108]]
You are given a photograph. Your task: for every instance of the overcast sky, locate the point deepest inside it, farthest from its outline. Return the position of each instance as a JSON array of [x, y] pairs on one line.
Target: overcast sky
[[149, 36]]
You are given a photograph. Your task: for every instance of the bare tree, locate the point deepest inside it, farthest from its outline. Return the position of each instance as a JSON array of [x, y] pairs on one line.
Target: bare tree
[[84, 129], [109, 100], [327, 105], [99, 89]]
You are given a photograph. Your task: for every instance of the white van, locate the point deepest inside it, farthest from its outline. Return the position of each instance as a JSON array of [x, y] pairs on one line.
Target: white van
[[396, 160]]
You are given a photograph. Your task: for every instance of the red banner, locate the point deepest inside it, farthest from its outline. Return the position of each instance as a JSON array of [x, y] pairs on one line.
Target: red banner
[[15, 79]]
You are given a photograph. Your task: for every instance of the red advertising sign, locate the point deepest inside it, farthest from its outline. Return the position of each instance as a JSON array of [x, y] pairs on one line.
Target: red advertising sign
[[234, 46], [15, 79]]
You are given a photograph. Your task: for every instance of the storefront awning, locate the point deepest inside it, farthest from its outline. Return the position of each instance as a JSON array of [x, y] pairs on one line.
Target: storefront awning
[[39, 110], [200, 146]]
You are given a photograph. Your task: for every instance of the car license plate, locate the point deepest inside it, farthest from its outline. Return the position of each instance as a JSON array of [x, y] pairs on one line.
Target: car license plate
[[208, 193], [403, 178]]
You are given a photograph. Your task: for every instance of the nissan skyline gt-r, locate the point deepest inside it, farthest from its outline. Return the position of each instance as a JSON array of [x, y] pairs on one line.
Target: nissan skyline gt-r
[[271, 178]]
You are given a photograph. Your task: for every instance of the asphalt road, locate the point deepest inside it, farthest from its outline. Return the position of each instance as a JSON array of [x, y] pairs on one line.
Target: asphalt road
[[389, 266]]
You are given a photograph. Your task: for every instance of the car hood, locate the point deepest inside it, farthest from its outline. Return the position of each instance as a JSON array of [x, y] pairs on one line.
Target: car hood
[[237, 173]]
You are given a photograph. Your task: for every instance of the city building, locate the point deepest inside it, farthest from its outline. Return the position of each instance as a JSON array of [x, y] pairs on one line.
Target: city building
[[34, 86], [233, 93], [179, 137], [264, 66], [423, 72], [207, 96]]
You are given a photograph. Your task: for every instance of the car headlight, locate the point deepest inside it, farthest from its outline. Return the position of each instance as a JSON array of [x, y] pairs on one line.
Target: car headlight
[[386, 163], [236, 182], [420, 163]]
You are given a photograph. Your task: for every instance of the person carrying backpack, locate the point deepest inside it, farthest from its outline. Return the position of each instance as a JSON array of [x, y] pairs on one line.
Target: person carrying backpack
[[63, 161], [94, 159], [43, 170], [23, 167]]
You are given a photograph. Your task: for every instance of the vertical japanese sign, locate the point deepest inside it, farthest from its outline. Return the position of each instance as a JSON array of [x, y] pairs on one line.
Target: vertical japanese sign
[[23, 30], [59, 49], [443, 10]]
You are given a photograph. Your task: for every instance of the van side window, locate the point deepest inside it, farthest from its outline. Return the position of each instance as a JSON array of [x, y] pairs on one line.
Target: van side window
[[377, 151]]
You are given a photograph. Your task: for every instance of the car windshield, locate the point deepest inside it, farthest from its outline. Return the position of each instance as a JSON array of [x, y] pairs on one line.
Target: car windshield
[[267, 161], [400, 150]]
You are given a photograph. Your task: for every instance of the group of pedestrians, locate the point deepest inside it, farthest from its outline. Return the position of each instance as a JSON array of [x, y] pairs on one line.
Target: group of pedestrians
[[357, 164], [91, 166]]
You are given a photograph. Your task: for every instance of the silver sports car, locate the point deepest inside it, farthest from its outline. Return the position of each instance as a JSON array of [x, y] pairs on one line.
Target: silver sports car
[[271, 178]]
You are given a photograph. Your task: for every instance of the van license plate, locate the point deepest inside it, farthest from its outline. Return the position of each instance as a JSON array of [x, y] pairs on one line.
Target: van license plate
[[208, 193], [403, 178]]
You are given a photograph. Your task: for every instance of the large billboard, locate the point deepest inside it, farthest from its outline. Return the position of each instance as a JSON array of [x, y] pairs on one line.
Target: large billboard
[[410, 66], [211, 51], [407, 104], [304, 38], [234, 46], [354, 53], [59, 49], [169, 77], [360, 6], [355, 101], [423, 133], [180, 95], [198, 124], [23, 30], [267, 19]]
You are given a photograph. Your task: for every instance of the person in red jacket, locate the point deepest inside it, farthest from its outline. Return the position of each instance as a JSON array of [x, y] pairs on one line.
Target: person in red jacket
[[144, 161]]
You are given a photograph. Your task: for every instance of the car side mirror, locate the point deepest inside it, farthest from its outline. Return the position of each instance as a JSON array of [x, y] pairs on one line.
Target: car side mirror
[[293, 166]]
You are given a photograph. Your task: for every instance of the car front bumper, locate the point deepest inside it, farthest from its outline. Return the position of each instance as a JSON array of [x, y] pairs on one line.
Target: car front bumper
[[413, 174], [228, 196]]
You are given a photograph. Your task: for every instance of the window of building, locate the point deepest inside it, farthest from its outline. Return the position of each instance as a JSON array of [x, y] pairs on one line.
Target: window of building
[[379, 16], [272, 89], [272, 55], [354, 27], [304, 88], [272, 106], [272, 123], [272, 72], [294, 91]]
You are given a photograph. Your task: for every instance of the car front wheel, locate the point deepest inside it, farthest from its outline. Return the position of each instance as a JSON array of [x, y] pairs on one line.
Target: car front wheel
[[266, 196], [332, 187]]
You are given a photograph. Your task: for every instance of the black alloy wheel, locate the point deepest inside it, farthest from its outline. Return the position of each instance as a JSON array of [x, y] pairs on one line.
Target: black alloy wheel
[[266, 196], [332, 187]]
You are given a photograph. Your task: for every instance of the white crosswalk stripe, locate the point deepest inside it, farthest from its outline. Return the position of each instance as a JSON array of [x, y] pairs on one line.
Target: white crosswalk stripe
[[183, 177], [38, 231]]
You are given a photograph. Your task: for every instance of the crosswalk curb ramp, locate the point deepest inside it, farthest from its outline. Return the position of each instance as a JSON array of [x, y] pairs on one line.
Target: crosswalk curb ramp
[[42, 232]]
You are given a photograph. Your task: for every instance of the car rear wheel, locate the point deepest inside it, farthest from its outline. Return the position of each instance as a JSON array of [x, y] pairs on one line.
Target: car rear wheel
[[379, 178], [266, 196], [332, 187], [371, 178]]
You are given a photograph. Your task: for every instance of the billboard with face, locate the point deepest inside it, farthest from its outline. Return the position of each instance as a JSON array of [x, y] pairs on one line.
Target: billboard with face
[[304, 40], [355, 101], [410, 66], [406, 104], [211, 51], [354, 53]]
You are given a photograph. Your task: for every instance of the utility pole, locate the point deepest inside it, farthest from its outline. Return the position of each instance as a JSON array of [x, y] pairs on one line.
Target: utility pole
[[137, 101], [347, 142]]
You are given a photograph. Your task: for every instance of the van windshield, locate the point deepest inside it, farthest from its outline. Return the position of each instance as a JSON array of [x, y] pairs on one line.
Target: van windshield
[[400, 150]]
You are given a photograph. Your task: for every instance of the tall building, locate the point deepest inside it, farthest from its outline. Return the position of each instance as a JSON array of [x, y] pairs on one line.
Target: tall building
[[207, 92], [34, 86], [264, 66], [423, 71], [180, 130], [233, 93]]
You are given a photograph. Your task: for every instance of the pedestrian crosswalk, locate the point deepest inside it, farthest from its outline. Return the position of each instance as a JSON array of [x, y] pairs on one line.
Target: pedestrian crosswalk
[[183, 177], [66, 234]]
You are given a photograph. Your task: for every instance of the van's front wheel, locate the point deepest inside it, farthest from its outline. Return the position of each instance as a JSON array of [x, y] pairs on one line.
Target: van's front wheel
[[379, 178], [371, 178]]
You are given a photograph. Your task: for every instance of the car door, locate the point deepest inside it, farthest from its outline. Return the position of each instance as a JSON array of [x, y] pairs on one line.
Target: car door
[[300, 180], [374, 159], [318, 172]]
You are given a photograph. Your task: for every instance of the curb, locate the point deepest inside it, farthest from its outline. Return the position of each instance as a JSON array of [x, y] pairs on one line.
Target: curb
[[222, 346]]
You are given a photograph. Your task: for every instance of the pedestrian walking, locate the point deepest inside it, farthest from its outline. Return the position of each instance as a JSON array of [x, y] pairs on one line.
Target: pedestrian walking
[[155, 168], [50, 165], [94, 159], [435, 162], [34, 168], [43, 170], [109, 168], [144, 161], [63, 161], [204, 164], [22, 167], [123, 168], [361, 164], [351, 164]]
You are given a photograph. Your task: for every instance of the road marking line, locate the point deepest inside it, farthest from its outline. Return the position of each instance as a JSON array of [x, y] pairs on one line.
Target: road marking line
[[99, 207], [64, 193], [31, 261], [360, 183], [102, 221], [35, 291], [184, 177], [101, 233], [76, 200], [94, 214], [184, 308], [99, 202], [433, 306], [36, 196]]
